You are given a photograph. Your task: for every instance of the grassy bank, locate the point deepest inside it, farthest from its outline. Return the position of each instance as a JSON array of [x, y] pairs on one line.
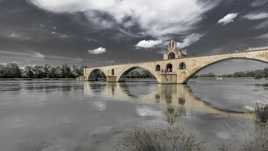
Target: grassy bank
[[176, 139]]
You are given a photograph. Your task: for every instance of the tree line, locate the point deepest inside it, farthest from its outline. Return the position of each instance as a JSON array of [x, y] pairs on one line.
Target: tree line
[[12, 70], [257, 74]]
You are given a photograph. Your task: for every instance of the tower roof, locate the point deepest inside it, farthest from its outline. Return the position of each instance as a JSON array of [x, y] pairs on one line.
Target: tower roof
[[172, 46]]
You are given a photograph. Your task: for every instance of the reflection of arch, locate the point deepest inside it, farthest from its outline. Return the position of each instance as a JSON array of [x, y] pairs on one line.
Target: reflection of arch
[[194, 72], [182, 66], [171, 55], [157, 68], [181, 94], [97, 75], [135, 90], [149, 73], [169, 67], [97, 88]]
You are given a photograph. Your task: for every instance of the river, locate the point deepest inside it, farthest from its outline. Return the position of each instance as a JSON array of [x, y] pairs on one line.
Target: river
[[79, 116]]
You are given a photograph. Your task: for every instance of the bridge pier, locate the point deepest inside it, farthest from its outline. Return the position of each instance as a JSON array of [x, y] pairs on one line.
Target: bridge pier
[[168, 78], [111, 79]]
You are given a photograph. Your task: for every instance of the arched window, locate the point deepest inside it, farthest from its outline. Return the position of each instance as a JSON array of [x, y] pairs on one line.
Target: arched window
[[157, 68], [169, 68], [171, 55], [112, 72], [182, 66]]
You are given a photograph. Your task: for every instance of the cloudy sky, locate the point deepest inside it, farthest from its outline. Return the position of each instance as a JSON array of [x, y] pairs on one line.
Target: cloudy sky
[[97, 32]]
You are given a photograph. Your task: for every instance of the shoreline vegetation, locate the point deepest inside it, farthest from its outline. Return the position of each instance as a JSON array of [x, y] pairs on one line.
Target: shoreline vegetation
[[12, 71], [37, 79], [177, 139], [256, 74]]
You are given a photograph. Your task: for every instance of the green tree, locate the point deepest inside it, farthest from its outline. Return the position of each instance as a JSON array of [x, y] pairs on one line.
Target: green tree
[[58, 72], [28, 72], [66, 71], [77, 71], [2, 71], [13, 71], [39, 71], [47, 69], [52, 72], [265, 72]]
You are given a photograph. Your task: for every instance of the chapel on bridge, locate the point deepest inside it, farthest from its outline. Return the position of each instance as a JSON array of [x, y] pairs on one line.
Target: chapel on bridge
[[173, 52]]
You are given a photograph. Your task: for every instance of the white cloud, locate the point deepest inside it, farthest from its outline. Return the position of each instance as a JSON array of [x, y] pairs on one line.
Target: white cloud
[[148, 111], [156, 17], [148, 43], [189, 40], [38, 55], [100, 106], [228, 18], [256, 16], [18, 36], [60, 35], [97, 51]]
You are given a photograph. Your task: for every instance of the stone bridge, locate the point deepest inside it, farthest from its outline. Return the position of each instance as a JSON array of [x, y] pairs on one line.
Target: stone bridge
[[174, 68]]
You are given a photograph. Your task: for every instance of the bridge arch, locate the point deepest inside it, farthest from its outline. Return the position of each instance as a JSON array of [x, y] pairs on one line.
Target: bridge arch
[[129, 69], [97, 75], [194, 72]]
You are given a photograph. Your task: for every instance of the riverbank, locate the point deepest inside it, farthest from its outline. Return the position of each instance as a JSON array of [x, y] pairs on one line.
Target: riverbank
[[39, 79], [221, 78]]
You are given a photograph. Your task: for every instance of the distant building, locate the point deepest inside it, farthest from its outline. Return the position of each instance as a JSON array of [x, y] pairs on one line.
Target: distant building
[[172, 52]]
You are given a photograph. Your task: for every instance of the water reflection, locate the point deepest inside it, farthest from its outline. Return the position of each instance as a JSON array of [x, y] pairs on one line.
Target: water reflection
[[43, 86], [64, 115], [136, 90], [175, 100]]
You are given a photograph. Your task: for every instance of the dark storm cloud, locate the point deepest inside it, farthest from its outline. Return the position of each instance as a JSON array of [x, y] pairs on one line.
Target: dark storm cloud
[[69, 30], [258, 3]]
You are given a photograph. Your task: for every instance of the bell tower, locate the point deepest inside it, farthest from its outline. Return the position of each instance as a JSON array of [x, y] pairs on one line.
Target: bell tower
[[172, 46], [172, 52]]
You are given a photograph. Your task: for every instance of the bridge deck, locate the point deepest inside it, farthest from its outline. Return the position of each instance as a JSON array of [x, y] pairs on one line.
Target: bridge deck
[[244, 51]]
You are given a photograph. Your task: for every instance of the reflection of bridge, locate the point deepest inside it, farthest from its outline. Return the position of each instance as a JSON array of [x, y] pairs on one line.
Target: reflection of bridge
[[174, 68], [176, 100]]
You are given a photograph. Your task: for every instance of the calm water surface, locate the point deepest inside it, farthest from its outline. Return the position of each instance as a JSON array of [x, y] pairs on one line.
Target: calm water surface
[[79, 116]]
